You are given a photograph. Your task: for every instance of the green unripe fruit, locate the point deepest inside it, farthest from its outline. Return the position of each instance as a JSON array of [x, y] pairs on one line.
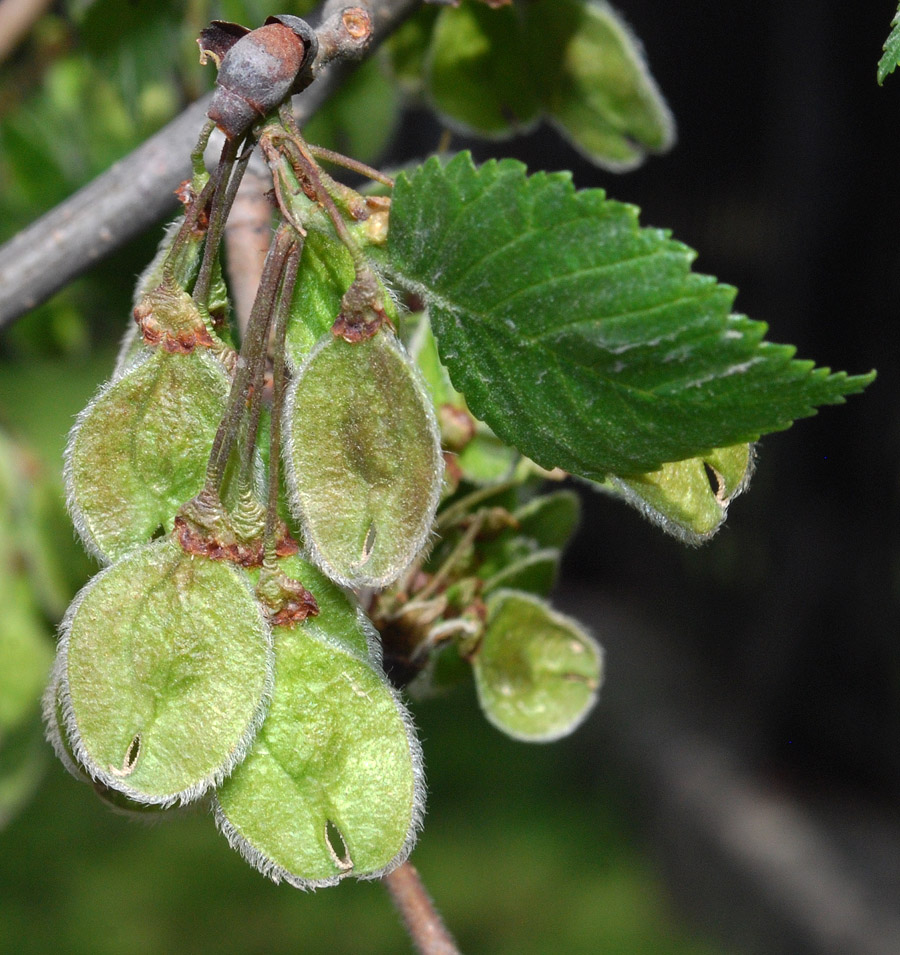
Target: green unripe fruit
[[139, 450], [363, 458], [679, 496], [333, 784], [165, 669], [537, 672]]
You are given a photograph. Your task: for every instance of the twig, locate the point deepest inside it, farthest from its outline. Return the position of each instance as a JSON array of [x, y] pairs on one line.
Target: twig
[[248, 233], [137, 192], [363, 169], [16, 18], [423, 923]]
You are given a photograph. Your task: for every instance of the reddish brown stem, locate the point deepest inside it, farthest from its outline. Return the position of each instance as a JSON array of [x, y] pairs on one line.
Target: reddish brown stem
[[338, 159], [413, 902]]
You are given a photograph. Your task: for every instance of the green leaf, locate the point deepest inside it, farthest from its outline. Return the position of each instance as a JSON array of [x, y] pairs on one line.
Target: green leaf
[[35, 533], [55, 564], [486, 459], [479, 70], [888, 62], [525, 554], [333, 784], [139, 450], [483, 458], [364, 462], [537, 672], [165, 665], [495, 72], [599, 91], [25, 649], [549, 519], [135, 45], [423, 349], [679, 496], [579, 337], [407, 48]]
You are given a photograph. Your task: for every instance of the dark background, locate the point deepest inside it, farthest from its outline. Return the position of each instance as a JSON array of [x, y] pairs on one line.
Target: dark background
[[784, 178], [777, 643], [784, 629]]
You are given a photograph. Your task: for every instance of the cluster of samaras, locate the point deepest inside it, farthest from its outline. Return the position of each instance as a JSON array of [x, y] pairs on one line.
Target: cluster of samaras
[[262, 519]]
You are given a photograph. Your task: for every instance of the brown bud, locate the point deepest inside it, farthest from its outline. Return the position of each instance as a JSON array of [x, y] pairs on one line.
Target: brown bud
[[258, 70]]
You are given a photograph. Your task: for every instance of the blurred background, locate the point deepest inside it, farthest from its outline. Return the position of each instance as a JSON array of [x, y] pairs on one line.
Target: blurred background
[[736, 788]]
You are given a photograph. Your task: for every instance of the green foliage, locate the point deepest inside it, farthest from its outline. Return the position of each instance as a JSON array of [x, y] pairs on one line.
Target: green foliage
[[35, 584], [549, 520], [601, 95], [891, 57], [351, 445], [368, 92], [582, 339], [480, 74], [481, 457], [525, 555], [23, 760], [28, 581], [24, 652], [495, 72]]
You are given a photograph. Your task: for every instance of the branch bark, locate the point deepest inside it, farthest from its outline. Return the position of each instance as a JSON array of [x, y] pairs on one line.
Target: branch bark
[[17, 17], [248, 232], [138, 191]]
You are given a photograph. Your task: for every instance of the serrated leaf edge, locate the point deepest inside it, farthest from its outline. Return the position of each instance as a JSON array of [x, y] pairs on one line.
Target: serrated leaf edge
[[887, 64], [495, 169]]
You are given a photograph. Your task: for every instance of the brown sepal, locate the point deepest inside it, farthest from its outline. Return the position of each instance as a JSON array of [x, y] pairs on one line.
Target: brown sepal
[[223, 544], [217, 39], [362, 312], [187, 196], [165, 319], [353, 329], [457, 426], [185, 192], [286, 602]]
